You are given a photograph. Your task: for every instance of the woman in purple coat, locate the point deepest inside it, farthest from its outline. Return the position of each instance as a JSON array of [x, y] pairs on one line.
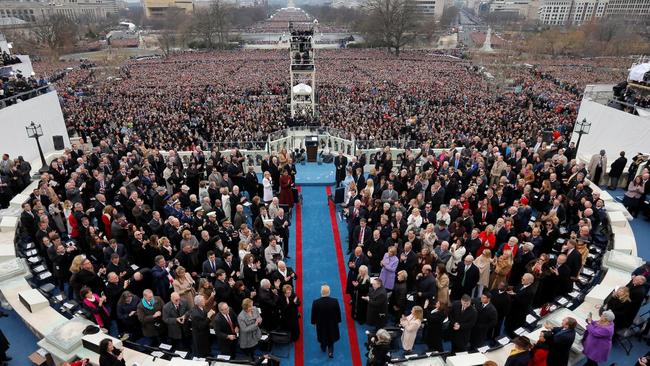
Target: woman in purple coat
[[388, 268], [597, 341]]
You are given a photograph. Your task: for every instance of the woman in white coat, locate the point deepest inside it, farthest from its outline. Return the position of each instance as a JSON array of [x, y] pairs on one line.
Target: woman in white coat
[[267, 183], [457, 254], [411, 324]]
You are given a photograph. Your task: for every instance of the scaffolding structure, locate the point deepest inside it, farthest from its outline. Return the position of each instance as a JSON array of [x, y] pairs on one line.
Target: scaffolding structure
[[303, 72]]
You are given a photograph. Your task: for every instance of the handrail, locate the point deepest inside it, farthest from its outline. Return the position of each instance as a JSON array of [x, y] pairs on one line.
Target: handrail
[[32, 93], [627, 104]]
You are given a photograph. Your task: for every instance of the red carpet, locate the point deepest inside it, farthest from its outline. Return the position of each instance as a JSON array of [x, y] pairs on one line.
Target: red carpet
[[352, 334], [300, 354]]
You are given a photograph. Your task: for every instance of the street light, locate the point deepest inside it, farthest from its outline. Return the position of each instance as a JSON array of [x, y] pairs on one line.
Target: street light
[[35, 131], [581, 128]]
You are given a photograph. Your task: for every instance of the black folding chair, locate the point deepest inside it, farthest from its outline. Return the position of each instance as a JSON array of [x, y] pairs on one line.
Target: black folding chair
[[279, 337]]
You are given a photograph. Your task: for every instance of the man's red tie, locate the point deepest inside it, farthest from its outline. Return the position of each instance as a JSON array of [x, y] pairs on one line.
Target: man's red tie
[[232, 329]]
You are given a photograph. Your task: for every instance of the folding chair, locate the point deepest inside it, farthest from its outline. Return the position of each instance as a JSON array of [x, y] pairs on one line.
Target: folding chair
[[280, 338]]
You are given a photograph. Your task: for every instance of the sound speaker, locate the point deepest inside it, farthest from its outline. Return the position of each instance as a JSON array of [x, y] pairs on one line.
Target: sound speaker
[[58, 142]]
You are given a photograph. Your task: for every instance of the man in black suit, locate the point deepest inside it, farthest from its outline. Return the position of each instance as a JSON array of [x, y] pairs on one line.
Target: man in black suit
[[408, 261], [361, 236], [560, 339], [28, 220], [201, 319], [114, 247], [210, 266], [426, 286], [222, 287], [522, 299], [356, 260], [226, 329], [230, 265], [473, 243], [638, 291], [466, 278], [462, 318], [573, 258], [354, 216], [281, 228], [486, 320], [483, 218], [340, 164], [560, 277], [521, 260], [286, 275], [501, 301], [377, 304], [326, 316]]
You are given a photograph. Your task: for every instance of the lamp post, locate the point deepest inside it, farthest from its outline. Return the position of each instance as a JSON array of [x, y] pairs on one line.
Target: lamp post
[[581, 128], [35, 131]]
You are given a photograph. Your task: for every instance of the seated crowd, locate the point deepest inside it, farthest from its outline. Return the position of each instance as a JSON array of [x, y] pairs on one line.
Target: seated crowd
[[164, 249], [481, 236]]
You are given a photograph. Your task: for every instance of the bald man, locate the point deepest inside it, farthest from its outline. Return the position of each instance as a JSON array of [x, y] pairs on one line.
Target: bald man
[[522, 300]]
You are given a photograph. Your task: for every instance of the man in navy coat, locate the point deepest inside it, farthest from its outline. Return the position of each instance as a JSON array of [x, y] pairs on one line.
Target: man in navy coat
[[326, 315]]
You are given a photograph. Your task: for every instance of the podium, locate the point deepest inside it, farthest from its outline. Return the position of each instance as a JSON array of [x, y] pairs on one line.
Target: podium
[[311, 144]]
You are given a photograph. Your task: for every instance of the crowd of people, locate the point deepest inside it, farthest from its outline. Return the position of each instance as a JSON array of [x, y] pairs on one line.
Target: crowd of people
[[14, 84], [14, 177], [242, 96], [164, 250], [482, 237], [7, 59]]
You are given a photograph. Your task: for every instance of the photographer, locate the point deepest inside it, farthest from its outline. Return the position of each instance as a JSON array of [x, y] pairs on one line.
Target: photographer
[[379, 348]]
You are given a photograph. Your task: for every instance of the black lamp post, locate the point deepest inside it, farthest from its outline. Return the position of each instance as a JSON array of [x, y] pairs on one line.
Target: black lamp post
[[581, 128], [35, 131]]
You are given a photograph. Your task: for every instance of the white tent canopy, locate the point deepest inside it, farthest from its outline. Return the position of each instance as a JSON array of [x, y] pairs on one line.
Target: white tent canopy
[[302, 89], [638, 71]]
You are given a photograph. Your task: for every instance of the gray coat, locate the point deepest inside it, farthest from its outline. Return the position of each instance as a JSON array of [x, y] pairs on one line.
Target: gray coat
[[169, 315], [249, 331]]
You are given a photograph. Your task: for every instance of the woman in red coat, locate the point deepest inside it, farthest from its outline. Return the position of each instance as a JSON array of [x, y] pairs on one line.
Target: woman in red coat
[[286, 191], [539, 352], [488, 240]]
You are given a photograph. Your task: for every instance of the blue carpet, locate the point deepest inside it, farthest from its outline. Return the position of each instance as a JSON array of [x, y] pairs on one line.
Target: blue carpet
[[320, 267], [315, 174], [22, 340]]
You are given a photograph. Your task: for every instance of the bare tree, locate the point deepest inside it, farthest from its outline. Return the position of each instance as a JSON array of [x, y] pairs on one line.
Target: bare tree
[[169, 37], [213, 25], [58, 33], [391, 23]]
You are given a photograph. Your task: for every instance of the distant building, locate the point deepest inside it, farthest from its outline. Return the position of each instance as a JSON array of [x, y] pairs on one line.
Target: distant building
[[525, 9], [430, 8], [565, 12], [156, 9], [36, 10]]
